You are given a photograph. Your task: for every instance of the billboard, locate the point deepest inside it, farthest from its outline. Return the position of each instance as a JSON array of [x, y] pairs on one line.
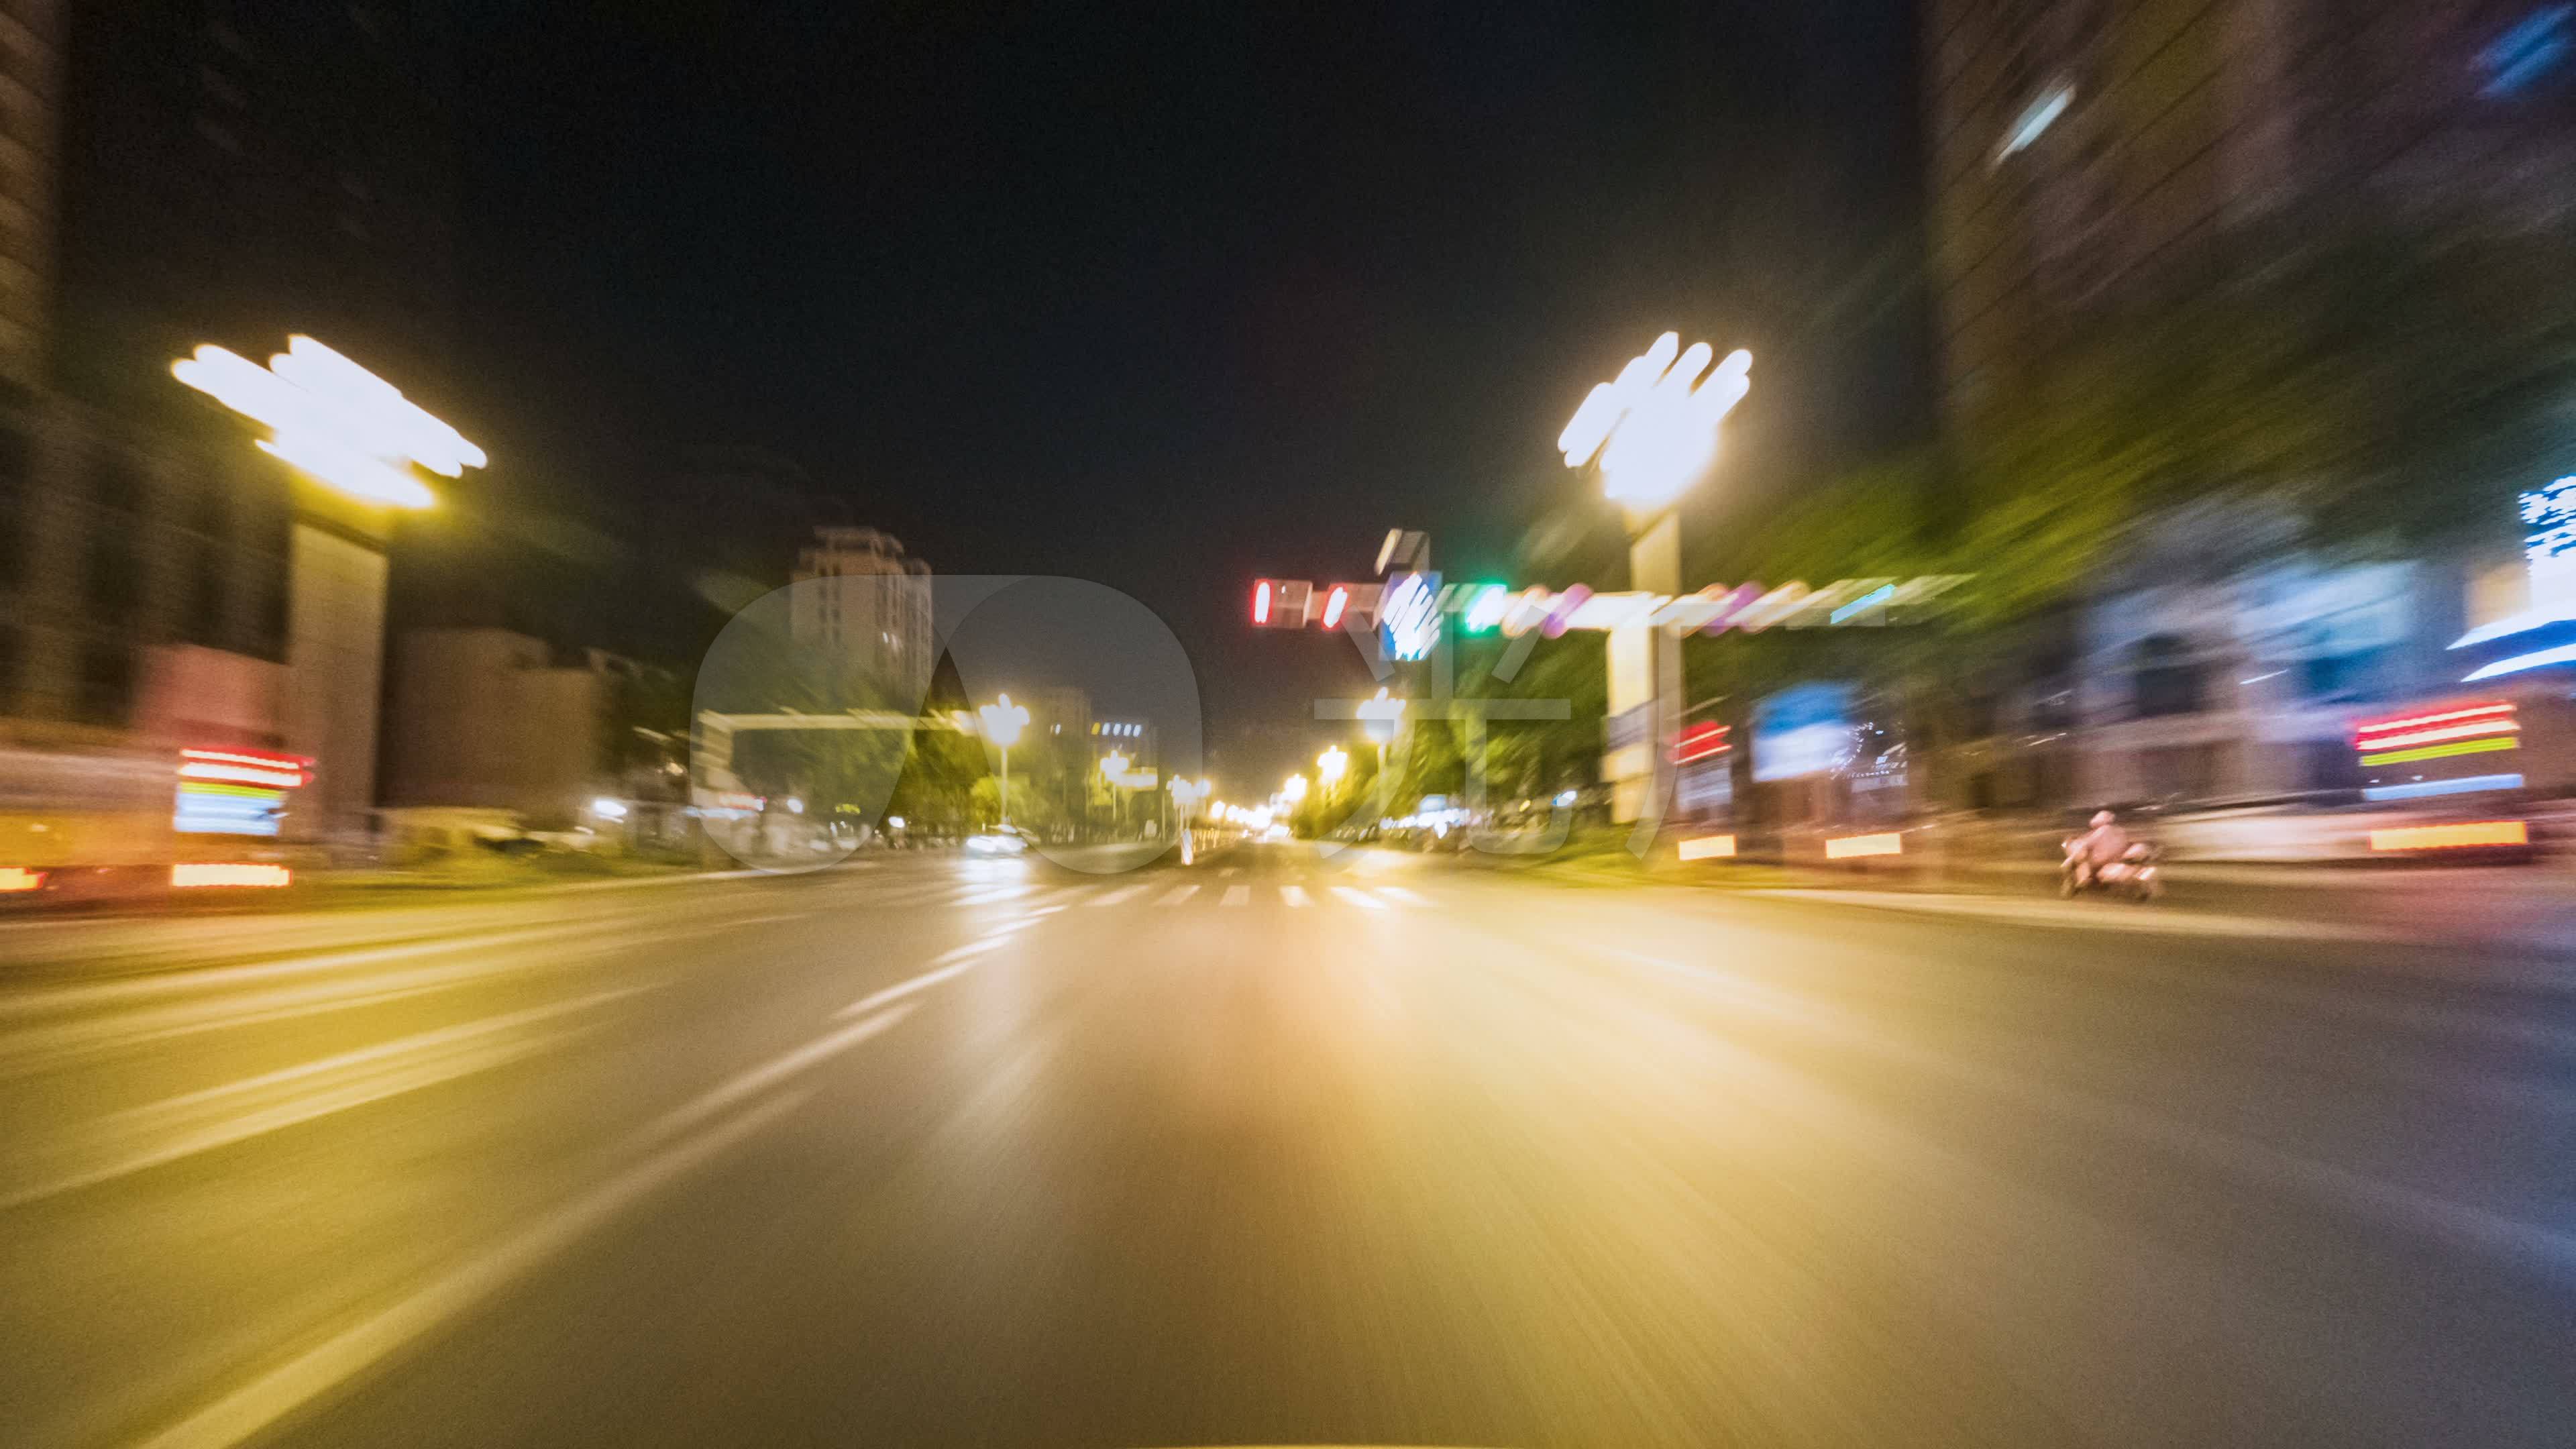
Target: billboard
[[1806, 729]]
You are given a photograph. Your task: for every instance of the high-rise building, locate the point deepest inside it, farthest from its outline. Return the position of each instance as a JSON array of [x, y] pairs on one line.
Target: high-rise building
[[30, 112], [2083, 149], [175, 172], [859, 600], [238, 170]]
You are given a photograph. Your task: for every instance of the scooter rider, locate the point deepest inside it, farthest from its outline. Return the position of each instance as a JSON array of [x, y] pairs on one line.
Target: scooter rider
[[2101, 846]]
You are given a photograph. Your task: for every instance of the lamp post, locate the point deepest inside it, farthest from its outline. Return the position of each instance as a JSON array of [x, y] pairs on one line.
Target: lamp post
[[1651, 433], [1331, 765], [1002, 725], [355, 435], [1113, 768]]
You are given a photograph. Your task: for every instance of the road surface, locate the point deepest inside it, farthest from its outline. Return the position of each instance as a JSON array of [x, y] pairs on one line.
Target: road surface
[[1283, 1148]]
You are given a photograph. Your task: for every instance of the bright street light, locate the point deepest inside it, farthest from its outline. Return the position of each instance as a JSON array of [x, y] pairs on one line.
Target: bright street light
[[1655, 428], [1379, 716], [334, 421], [1331, 765], [1294, 788], [1002, 725]]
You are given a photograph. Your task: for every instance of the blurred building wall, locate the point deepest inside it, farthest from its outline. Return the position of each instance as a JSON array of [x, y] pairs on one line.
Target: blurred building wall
[[30, 119], [2184, 119], [171, 172], [2093, 155], [483, 719], [192, 695]]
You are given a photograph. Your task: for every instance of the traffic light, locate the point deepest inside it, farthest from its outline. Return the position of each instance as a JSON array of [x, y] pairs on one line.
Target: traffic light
[[1281, 603], [1356, 603]]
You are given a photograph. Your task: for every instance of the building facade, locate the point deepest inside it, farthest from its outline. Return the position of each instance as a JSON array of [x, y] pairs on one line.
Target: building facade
[[858, 600], [174, 172], [485, 719], [2082, 150], [2095, 158]]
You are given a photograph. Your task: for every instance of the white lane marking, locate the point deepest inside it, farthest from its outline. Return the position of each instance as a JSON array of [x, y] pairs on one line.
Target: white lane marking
[[1123, 893], [904, 988], [255, 1406], [989, 896], [2091, 915], [1358, 897], [1178, 895], [33, 1048], [95, 993], [770, 1073], [155, 1133], [1404, 896], [1236, 895], [1043, 910], [1231, 871], [1295, 896]]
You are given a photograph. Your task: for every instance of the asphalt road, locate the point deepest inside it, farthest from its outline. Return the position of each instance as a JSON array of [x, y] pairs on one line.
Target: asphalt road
[[1279, 1149]]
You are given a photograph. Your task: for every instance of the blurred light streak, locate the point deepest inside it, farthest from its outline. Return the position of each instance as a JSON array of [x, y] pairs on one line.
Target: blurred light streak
[[1873, 598], [16, 878], [237, 757], [1709, 847], [2424, 788], [2034, 121], [2414, 721], [2439, 752], [244, 774], [2451, 836], [2563, 655], [2500, 725], [1846, 847], [191, 875]]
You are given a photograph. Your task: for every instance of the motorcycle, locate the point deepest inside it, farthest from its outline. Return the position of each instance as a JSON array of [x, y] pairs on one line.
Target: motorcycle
[[2134, 876]]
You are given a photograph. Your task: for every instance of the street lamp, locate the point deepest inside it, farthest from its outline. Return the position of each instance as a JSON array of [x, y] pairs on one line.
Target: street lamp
[[355, 435], [1331, 765], [1653, 432], [334, 421], [1294, 788], [1655, 428], [1002, 725]]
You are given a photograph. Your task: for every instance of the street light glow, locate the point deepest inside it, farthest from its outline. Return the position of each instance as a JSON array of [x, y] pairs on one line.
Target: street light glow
[[334, 421], [1331, 765], [1655, 428], [1293, 788], [1003, 721]]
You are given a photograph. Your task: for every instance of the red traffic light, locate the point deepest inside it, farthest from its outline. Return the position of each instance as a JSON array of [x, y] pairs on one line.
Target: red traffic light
[[1281, 603]]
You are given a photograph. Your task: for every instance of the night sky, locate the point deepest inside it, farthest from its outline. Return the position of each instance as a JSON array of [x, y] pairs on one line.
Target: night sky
[[1161, 297]]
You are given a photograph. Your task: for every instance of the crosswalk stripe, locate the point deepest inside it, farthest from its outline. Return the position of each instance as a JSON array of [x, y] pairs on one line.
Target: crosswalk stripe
[[1359, 897], [1178, 895], [1236, 895], [1295, 895], [1409, 898], [1123, 893]]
